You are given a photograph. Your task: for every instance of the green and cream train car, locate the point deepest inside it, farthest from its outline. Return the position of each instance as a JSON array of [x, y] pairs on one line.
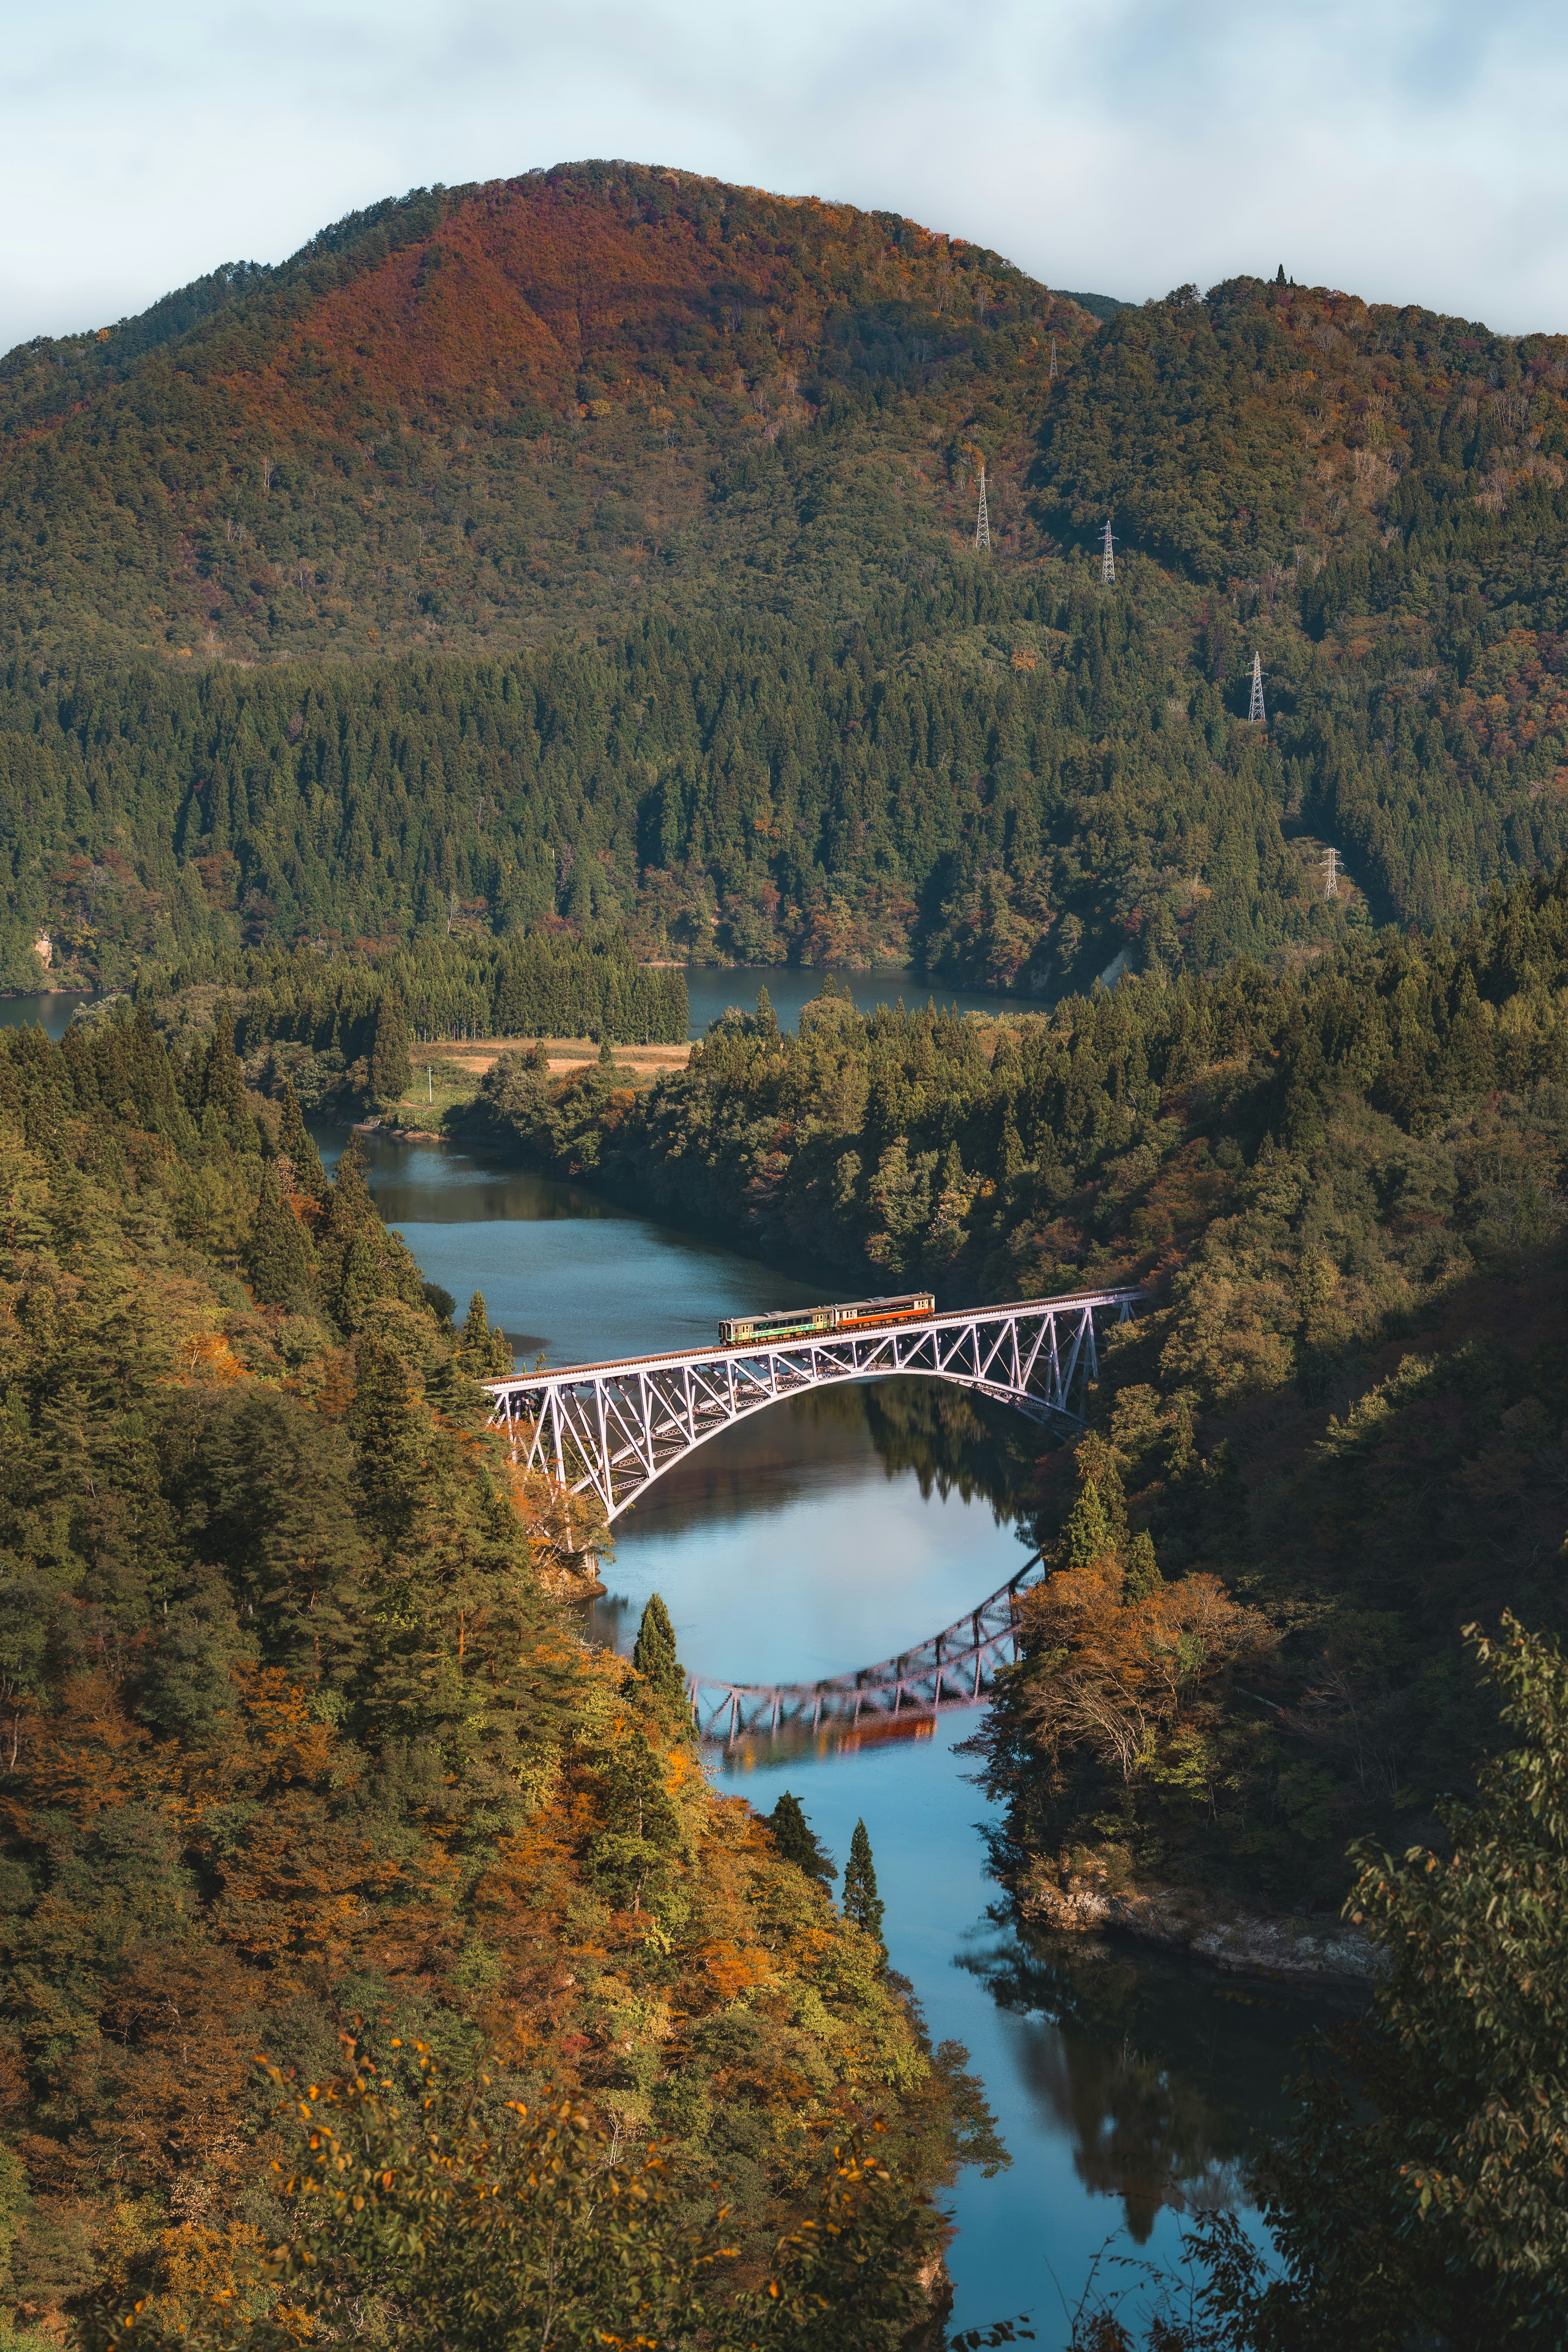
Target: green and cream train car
[[806, 1322]]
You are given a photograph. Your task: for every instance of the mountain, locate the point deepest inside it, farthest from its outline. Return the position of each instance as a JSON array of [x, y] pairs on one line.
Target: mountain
[[597, 547], [466, 418]]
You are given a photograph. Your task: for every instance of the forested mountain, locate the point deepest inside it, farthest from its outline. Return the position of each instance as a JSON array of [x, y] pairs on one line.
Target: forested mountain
[[596, 546], [475, 417]]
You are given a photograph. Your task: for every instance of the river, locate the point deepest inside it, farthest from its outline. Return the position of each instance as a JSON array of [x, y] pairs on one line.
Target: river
[[823, 1535]]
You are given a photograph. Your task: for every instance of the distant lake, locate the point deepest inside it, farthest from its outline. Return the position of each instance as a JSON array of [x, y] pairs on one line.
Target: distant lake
[[710, 990], [51, 1008]]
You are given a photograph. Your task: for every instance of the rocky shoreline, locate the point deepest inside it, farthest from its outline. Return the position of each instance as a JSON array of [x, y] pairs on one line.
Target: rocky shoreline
[[1224, 1933]]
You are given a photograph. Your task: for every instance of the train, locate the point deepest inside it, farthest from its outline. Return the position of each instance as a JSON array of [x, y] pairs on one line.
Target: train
[[805, 1322]]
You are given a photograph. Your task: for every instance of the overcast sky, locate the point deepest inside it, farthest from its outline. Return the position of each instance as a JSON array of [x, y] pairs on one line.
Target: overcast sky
[[1408, 150]]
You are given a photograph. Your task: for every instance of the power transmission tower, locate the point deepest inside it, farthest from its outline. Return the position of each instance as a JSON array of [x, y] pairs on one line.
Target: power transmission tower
[[981, 520], [1053, 359], [1107, 557], [1257, 714], [1331, 860]]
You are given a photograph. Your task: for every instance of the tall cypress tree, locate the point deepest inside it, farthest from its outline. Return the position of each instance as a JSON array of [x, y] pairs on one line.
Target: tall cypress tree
[[486, 1352], [297, 1145], [391, 1070], [1143, 1577], [794, 1837], [389, 1440], [654, 1655], [222, 1080], [861, 1901], [280, 1262]]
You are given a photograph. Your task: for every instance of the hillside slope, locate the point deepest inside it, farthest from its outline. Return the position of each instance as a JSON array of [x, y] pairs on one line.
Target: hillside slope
[[597, 547], [466, 418]]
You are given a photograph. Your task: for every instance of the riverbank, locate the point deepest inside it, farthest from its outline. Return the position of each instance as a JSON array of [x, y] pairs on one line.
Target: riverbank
[[1232, 1936]]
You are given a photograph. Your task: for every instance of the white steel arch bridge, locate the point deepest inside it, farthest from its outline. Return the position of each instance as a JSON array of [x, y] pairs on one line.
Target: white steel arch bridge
[[611, 1429]]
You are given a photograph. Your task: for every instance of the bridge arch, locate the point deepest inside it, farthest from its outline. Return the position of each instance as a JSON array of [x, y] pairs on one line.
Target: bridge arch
[[611, 1429]]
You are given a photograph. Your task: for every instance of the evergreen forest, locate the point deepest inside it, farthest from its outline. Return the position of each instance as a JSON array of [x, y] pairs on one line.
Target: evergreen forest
[[1332, 1438], [301, 1757]]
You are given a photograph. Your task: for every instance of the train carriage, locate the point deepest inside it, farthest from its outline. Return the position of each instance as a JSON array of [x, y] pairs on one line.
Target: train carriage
[[806, 1322]]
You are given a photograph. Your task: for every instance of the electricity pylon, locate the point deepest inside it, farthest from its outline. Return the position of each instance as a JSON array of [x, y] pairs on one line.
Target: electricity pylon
[[1107, 556], [1329, 862], [1257, 714], [981, 520]]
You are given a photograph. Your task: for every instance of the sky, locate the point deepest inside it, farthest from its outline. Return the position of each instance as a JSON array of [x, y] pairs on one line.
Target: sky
[[1409, 150]]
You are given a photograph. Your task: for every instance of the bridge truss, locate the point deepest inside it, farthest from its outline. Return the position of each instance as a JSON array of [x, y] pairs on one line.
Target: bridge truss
[[957, 1667], [611, 1429]]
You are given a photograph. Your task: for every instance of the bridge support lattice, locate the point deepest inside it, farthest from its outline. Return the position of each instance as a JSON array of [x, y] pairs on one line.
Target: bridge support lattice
[[611, 1429]]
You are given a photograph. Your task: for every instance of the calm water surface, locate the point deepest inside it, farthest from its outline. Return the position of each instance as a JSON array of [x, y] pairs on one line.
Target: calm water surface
[[709, 989], [820, 1535], [51, 1008]]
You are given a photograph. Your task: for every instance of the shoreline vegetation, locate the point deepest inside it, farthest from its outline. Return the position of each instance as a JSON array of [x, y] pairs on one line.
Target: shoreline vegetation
[[380, 669]]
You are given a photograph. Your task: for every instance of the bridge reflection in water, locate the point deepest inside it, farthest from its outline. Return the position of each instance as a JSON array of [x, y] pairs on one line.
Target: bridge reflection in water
[[957, 1667]]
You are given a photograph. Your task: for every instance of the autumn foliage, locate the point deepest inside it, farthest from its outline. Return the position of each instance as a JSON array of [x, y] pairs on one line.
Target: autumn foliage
[[291, 1736]]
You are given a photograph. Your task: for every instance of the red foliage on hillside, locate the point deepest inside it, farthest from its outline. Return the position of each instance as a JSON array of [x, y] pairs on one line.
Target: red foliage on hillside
[[572, 285]]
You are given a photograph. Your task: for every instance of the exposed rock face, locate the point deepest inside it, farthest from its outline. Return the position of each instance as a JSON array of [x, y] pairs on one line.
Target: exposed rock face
[[574, 1578], [1210, 1927]]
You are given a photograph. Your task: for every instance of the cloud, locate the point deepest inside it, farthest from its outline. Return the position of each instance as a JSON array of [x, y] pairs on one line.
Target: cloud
[[1410, 150]]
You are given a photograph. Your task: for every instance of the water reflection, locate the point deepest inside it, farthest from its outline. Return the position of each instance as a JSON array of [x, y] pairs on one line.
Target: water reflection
[[1168, 2084], [710, 989], [561, 1270], [821, 1535]]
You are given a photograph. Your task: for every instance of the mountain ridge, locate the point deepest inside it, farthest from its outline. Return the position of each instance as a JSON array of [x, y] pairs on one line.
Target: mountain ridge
[[610, 531]]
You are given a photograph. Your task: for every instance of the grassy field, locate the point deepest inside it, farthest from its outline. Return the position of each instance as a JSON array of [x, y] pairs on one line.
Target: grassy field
[[447, 1074]]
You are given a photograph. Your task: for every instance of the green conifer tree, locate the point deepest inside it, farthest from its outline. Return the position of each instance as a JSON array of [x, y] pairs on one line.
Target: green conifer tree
[[1143, 1578], [389, 1437], [793, 1838], [653, 1654], [223, 1081], [278, 1260], [641, 1837], [1086, 1536], [861, 1902], [486, 1352], [391, 1070], [297, 1145]]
